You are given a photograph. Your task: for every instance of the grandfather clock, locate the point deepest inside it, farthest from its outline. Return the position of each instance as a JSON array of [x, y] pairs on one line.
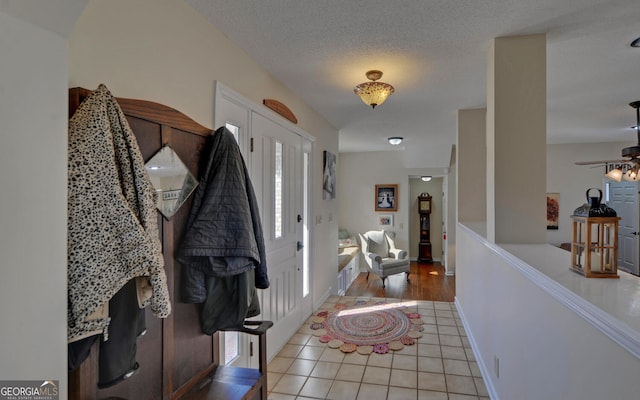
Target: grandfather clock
[[424, 247]]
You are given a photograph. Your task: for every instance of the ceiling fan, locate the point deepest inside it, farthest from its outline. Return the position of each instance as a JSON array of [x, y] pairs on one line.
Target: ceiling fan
[[629, 168]]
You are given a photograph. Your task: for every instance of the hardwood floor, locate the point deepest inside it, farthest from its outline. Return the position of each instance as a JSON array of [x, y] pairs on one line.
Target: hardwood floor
[[428, 282]]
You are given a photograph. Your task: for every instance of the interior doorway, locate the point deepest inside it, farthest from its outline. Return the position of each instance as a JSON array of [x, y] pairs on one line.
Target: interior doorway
[[434, 187]]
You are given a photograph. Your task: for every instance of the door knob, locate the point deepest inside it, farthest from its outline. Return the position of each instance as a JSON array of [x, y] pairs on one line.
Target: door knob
[[299, 246], [299, 218]]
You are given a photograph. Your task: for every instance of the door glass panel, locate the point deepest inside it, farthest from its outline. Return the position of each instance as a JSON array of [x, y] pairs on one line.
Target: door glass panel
[[233, 129], [278, 192], [305, 227], [231, 346], [231, 339]]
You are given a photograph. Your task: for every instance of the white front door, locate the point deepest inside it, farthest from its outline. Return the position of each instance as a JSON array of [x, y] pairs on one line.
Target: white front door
[[277, 165], [280, 164], [623, 197]]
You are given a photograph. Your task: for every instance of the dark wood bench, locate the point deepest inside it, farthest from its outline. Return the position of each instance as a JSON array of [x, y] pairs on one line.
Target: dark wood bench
[[235, 383]]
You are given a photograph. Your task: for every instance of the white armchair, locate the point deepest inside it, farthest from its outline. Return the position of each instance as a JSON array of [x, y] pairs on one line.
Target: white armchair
[[382, 256]]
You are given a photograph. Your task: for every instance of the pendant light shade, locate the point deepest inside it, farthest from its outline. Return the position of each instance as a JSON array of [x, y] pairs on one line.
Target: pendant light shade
[[373, 93]]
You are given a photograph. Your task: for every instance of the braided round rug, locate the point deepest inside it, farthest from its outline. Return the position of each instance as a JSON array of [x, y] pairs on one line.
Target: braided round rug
[[379, 326]]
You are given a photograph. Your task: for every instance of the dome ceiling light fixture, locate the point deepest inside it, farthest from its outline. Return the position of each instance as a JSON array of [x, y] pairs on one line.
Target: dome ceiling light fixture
[[373, 93], [395, 140], [636, 43], [425, 178]]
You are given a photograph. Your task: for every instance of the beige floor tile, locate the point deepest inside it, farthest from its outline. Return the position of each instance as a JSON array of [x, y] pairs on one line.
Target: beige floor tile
[[442, 305], [280, 364], [404, 378], [350, 372], [380, 360], [424, 303], [301, 367], [446, 321], [332, 355], [272, 379], [460, 384], [355, 358], [316, 388], [408, 351], [448, 330], [429, 338], [469, 352], [289, 384], [444, 313], [376, 375], [430, 328], [456, 396], [475, 370], [341, 390], [426, 312], [429, 350], [290, 350], [280, 396], [405, 362], [480, 387], [311, 353], [315, 342], [450, 340], [456, 367], [325, 369], [453, 353], [399, 393], [430, 364], [300, 338], [432, 381], [465, 342], [372, 392], [431, 395], [429, 319]]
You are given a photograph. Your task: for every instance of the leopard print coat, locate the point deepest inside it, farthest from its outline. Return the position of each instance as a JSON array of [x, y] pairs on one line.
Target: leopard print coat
[[112, 220]]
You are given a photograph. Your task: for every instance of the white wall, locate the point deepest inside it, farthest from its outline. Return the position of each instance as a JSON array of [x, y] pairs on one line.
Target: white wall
[[164, 51], [33, 175], [572, 181], [545, 349]]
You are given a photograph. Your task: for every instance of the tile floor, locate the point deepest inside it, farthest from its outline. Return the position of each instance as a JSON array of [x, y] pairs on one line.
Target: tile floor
[[441, 366]]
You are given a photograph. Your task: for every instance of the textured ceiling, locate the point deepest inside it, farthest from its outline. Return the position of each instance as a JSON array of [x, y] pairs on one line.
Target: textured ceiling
[[434, 53]]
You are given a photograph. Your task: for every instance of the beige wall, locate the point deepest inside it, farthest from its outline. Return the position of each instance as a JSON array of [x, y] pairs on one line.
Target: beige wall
[[358, 173], [164, 51]]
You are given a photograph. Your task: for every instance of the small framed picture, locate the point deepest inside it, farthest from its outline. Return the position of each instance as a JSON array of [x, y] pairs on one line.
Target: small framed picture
[[553, 210], [386, 197], [385, 220]]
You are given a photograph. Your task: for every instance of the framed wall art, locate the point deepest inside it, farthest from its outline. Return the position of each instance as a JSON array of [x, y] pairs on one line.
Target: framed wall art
[[553, 210], [386, 197], [385, 220], [329, 176]]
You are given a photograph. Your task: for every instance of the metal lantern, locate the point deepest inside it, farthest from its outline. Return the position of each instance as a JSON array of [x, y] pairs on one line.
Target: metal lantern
[[594, 239]]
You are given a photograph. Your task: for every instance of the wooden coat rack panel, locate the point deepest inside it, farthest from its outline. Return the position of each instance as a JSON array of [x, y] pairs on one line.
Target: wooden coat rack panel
[[174, 354]]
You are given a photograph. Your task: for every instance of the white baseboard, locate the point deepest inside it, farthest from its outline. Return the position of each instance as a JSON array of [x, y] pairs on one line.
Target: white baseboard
[[487, 376]]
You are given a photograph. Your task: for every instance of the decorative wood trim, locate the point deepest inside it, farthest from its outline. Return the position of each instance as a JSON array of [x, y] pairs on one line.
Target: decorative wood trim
[[281, 109], [146, 110]]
